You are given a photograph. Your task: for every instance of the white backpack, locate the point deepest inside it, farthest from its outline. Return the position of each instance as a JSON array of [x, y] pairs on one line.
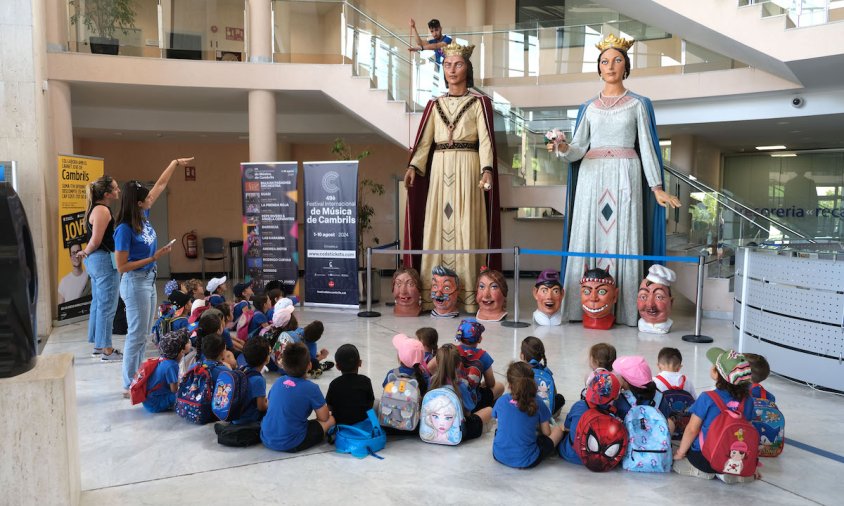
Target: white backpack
[[442, 417], [649, 441], [399, 407]]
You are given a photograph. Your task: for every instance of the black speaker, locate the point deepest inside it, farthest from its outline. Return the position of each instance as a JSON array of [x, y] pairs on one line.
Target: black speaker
[[19, 289]]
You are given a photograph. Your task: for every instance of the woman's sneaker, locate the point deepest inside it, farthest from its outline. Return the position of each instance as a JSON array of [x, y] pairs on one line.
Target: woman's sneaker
[[115, 356], [97, 353]]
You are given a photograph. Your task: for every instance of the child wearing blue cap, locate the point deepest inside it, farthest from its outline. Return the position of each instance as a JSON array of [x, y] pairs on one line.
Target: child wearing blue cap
[[476, 366]]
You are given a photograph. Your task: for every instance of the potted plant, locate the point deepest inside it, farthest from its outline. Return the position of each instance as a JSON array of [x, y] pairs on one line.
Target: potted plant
[[365, 211], [102, 18]]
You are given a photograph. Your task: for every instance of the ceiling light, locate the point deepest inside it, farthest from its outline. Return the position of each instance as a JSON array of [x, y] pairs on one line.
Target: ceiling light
[[769, 148], [665, 143], [783, 155]]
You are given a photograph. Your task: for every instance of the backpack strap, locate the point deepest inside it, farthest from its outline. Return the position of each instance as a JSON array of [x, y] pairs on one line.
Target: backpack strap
[[631, 399], [668, 385], [657, 399], [763, 394], [682, 382]]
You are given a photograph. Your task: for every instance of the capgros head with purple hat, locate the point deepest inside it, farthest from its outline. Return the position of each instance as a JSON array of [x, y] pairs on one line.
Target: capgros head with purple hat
[[470, 331]]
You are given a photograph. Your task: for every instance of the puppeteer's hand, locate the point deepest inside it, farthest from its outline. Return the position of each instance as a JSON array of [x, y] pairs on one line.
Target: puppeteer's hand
[[409, 177], [486, 181], [561, 147], [665, 199]]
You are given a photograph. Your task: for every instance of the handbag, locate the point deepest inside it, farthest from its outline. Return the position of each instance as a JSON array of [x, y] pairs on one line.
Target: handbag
[[361, 439]]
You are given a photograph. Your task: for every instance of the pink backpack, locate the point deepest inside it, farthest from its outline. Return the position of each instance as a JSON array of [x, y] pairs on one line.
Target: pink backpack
[[243, 323], [732, 443]]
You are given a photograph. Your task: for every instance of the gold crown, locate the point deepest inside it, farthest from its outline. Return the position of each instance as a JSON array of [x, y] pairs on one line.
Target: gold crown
[[615, 42], [455, 49]]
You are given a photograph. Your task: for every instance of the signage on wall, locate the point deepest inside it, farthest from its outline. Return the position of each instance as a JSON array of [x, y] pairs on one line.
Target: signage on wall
[[331, 268], [270, 230], [233, 33], [74, 290], [190, 173]]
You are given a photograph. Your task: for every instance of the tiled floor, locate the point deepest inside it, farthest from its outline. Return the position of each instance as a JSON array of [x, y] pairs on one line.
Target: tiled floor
[[129, 456]]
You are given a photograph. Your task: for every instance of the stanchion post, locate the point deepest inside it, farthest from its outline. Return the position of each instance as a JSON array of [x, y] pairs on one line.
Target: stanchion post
[[697, 337], [515, 323], [369, 313]]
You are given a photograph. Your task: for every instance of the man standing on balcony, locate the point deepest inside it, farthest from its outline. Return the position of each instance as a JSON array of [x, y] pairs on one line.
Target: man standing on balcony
[[436, 43], [452, 181]]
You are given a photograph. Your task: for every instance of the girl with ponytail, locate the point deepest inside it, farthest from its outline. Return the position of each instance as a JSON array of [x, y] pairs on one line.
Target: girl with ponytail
[[97, 256], [519, 413]]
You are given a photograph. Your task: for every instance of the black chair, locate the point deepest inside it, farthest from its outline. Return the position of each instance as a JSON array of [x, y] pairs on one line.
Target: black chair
[[213, 250]]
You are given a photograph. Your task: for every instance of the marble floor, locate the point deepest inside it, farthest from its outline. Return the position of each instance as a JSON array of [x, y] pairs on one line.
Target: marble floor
[[129, 456]]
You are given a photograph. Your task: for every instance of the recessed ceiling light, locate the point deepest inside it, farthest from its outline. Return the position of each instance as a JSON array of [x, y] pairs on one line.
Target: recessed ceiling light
[[769, 148], [783, 155]]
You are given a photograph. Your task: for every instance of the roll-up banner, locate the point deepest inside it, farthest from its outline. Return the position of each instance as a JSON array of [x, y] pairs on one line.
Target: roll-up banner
[[331, 234], [74, 290], [270, 230]]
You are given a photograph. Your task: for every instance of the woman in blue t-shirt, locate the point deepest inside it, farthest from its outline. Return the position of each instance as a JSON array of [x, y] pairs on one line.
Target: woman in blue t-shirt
[[136, 251]]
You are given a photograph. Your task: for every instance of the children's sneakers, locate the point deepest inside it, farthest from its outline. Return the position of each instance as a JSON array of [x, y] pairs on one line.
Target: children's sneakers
[[685, 468], [326, 366], [732, 478]]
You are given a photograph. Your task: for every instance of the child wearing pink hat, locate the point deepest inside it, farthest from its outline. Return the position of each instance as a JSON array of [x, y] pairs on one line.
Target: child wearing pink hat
[[635, 375], [411, 356]]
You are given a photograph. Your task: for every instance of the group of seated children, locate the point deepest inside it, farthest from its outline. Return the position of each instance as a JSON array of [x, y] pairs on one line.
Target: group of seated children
[[592, 433]]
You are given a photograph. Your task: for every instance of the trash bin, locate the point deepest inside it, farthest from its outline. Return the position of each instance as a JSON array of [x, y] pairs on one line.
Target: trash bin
[[236, 259]]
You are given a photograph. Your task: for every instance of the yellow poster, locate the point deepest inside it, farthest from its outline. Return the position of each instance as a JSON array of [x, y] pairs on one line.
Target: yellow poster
[[76, 173]]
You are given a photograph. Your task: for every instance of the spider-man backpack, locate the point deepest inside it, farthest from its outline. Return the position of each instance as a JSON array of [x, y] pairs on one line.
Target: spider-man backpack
[[600, 440]]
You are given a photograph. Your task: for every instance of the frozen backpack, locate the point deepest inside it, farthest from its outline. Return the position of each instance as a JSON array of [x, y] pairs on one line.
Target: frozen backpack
[[399, 407], [732, 444], [281, 341], [361, 439], [769, 421], [471, 368], [195, 394], [442, 417], [544, 384], [600, 440], [138, 390], [231, 393], [680, 402], [649, 441]]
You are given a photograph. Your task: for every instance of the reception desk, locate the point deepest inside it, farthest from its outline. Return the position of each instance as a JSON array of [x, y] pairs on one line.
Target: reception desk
[[789, 307]]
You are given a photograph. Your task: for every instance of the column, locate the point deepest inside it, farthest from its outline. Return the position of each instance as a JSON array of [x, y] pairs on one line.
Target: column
[[60, 109], [260, 31], [262, 126]]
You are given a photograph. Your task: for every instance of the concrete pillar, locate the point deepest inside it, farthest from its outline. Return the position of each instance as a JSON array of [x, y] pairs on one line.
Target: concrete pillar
[[60, 108], [56, 25], [260, 31], [282, 32], [475, 13], [262, 126]]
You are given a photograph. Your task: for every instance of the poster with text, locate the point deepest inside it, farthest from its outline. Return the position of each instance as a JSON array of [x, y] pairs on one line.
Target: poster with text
[[74, 290], [270, 230], [331, 265]]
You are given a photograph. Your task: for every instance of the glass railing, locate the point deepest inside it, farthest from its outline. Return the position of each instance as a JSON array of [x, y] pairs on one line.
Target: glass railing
[[801, 12]]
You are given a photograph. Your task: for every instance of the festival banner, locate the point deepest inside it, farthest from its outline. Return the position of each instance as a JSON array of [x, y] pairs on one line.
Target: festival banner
[[331, 268], [270, 230], [74, 291]]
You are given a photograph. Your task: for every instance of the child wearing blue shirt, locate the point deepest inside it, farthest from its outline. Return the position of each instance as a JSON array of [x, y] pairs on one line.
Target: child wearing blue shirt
[[732, 376], [485, 389], [246, 430], [213, 349], [533, 352], [635, 375], [311, 334], [410, 356], [259, 318], [286, 426], [429, 338], [519, 414], [759, 372], [601, 392], [163, 383], [242, 294]]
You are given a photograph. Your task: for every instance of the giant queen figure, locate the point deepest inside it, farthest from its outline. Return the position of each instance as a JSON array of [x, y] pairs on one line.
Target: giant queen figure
[[609, 209], [452, 182]]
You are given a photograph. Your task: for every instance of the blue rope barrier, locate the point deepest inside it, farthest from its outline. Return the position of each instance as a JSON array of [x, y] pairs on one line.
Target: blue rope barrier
[[608, 255]]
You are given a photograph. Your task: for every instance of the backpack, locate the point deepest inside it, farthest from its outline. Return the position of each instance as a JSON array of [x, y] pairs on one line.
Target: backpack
[[648, 438], [769, 421], [196, 391], [361, 439], [732, 444], [281, 341], [600, 440], [187, 363], [231, 393], [165, 323], [680, 402], [243, 322], [197, 313], [442, 417], [138, 390], [471, 368], [399, 406], [545, 388]]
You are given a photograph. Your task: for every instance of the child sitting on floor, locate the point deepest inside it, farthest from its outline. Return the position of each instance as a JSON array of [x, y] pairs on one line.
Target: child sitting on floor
[[350, 395], [476, 366], [163, 383], [311, 334]]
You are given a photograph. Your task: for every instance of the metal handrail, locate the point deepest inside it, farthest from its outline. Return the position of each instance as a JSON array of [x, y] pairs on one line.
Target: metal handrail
[[699, 185]]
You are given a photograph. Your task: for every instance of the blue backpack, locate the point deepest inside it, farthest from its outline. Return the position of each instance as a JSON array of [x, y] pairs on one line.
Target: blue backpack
[[649, 441], [361, 439], [769, 421], [545, 388], [680, 402], [231, 393], [196, 391], [442, 417]]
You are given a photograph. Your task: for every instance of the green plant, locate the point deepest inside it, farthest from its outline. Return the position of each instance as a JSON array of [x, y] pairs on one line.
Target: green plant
[[366, 188], [103, 17]]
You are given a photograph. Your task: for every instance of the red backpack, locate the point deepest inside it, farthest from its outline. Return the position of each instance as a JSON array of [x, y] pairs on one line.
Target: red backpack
[[243, 323], [471, 368], [600, 440], [732, 443], [138, 389]]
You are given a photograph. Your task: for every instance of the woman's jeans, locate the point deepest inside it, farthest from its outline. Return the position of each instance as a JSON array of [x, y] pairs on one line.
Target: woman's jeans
[[104, 284], [138, 291]]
